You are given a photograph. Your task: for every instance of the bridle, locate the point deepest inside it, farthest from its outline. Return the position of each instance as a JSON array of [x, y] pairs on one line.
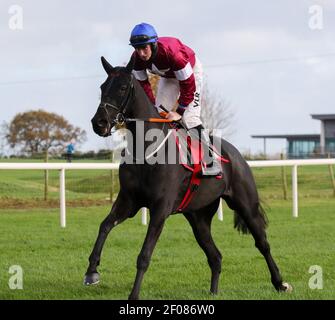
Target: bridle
[[120, 117]]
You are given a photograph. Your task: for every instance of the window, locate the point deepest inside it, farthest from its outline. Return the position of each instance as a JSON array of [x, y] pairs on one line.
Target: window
[[302, 148]]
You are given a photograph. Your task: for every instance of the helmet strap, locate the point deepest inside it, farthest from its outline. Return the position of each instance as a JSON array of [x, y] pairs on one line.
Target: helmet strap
[[154, 48]]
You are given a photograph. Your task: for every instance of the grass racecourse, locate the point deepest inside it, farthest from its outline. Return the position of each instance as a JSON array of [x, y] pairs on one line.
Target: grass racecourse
[[54, 260]]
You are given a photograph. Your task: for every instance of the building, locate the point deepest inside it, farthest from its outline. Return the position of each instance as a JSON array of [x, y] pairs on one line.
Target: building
[[308, 145]]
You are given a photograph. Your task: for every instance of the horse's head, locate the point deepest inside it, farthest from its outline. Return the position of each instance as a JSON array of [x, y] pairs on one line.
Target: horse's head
[[116, 96]]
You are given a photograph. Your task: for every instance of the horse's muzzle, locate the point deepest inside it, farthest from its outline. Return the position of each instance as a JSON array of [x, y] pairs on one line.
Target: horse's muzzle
[[101, 127]]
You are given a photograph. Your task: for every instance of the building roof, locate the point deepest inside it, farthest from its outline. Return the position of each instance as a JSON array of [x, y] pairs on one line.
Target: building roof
[[323, 116], [288, 136]]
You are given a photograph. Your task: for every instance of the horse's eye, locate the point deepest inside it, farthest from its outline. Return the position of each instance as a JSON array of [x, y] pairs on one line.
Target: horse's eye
[[123, 90]]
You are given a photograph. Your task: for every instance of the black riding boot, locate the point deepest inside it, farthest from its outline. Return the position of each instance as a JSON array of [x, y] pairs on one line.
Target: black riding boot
[[212, 166]]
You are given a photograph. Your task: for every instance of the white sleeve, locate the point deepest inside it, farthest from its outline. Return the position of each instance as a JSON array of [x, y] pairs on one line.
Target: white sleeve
[[140, 75]]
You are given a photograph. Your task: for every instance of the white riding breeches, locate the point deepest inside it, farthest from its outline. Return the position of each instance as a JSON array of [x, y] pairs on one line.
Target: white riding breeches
[[168, 92]]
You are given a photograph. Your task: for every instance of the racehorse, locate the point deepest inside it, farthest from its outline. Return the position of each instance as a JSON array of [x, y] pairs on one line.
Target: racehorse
[[161, 187]]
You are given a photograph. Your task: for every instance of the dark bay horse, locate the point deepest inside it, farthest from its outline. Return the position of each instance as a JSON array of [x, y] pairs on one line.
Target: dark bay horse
[[161, 187]]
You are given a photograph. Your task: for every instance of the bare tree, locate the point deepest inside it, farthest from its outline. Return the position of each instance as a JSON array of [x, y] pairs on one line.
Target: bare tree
[[216, 114]]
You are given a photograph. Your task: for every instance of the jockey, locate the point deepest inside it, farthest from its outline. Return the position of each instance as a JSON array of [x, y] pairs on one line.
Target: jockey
[[179, 88]]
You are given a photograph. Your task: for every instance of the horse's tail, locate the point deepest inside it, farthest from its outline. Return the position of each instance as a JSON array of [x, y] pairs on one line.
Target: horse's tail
[[260, 213]]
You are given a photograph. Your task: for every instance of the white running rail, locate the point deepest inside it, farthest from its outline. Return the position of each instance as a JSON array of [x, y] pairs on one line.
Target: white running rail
[[114, 166]]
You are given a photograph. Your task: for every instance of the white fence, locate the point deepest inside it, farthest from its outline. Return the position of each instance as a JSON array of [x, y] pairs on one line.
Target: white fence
[[112, 166]]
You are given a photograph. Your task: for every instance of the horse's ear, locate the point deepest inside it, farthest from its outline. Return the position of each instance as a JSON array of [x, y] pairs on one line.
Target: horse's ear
[[107, 66], [130, 65]]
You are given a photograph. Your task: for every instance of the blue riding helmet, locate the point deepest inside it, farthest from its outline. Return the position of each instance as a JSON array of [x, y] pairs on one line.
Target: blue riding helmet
[[142, 34]]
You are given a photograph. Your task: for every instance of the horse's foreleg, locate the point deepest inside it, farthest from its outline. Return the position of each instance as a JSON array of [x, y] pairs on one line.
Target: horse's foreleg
[[122, 208], [154, 230]]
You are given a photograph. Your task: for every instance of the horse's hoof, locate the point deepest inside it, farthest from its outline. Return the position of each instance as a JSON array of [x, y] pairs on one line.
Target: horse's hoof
[[133, 297], [91, 278], [286, 287]]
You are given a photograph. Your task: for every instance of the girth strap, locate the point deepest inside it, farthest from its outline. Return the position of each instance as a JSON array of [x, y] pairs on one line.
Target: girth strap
[[192, 188]]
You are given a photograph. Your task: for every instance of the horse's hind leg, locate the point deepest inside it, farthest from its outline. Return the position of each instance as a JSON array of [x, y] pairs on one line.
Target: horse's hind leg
[[250, 215], [200, 222], [122, 208]]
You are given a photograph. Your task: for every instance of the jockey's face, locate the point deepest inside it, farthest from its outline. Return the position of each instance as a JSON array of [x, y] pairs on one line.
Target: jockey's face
[[144, 52]]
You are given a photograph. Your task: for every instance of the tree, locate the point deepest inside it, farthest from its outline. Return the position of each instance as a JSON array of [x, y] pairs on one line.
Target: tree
[[154, 79], [216, 114], [40, 131]]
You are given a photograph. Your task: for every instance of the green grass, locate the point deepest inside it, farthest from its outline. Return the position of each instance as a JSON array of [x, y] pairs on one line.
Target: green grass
[[54, 260], [314, 182], [80, 184]]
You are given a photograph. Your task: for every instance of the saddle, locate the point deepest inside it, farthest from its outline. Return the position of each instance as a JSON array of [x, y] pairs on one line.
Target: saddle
[[191, 158]]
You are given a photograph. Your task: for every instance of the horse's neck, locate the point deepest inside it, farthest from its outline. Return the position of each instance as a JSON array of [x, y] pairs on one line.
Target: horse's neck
[[142, 108]]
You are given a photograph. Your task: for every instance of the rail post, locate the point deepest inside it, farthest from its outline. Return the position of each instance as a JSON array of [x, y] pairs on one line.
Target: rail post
[[62, 198], [220, 211], [144, 216], [295, 191]]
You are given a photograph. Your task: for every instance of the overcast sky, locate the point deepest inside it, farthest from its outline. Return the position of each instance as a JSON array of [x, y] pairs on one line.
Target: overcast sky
[[274, 62]]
